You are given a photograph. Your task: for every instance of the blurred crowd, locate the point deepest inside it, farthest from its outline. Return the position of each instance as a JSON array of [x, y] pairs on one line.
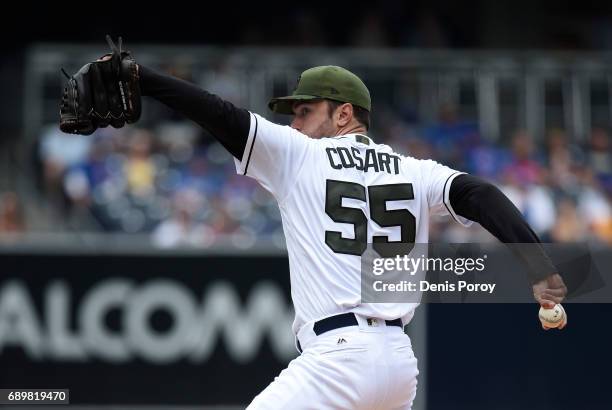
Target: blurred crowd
[[170, 180], [173, 182], [562, 188]]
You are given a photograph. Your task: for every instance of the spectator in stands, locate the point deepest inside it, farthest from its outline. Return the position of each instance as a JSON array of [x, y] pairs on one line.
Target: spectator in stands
[[182, 228], [561, 159], [58, 152], [593, 207], [600, 158], [568, 226], [452, 137], [524, 167], [11, 214], [81, 179], [523, 182], [139, 167]]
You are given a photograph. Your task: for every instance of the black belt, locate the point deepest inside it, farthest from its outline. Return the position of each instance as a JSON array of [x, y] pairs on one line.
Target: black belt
[[343, 320]]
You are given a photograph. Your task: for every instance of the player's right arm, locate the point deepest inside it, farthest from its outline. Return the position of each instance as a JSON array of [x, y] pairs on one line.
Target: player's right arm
[[481, 201], [271, 153], [469, 198]]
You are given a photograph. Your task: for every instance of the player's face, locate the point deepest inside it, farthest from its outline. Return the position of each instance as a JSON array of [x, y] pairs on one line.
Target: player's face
[[312, 118]]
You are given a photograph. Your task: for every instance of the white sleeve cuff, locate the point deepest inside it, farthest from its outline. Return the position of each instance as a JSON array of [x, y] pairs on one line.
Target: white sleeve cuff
[[463, 221], [242, 165]]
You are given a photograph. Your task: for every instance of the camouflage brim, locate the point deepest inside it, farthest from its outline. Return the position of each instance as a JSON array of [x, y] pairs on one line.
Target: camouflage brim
[[284, 105]]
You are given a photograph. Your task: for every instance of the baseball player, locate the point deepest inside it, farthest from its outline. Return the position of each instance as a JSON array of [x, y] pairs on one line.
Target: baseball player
[[337, 190]]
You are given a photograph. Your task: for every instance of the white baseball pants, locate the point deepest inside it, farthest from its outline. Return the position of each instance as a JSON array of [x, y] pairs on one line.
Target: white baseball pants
[[370, 367]]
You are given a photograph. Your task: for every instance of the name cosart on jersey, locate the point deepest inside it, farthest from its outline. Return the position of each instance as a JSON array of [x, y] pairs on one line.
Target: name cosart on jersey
[[370, 160]]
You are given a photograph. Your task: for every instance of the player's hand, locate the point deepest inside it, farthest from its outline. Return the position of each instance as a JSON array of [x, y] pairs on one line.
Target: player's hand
[[550, 291]]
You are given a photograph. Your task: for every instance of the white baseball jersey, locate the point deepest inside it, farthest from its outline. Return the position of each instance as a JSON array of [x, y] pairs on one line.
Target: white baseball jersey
[[335, 195]]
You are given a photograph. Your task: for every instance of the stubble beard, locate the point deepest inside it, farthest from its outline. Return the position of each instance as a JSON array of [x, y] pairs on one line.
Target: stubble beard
[[326, 129]]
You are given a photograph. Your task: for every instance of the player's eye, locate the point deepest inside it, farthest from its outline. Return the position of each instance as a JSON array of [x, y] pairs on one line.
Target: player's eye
[[304, 111]]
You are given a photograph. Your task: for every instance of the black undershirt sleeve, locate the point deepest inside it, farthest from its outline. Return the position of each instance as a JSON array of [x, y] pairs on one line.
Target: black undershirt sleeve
[[227, 123], [482, 202]]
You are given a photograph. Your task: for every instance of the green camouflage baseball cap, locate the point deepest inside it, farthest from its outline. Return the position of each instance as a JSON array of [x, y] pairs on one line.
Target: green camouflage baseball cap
[[329, 82]]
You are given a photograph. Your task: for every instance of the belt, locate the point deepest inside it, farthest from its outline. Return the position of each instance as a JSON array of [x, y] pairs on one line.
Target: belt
[[343, 320]]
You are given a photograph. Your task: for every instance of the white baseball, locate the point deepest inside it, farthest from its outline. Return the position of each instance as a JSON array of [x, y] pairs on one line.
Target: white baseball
[[552, 317]]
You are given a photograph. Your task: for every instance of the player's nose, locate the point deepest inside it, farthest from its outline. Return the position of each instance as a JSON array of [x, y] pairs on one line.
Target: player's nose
[[295, 124]]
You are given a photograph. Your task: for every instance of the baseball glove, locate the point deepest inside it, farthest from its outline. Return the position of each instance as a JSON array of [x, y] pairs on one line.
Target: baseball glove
[[104, 92]]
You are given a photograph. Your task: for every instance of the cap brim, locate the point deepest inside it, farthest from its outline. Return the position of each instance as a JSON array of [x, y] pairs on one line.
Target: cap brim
[[284, 105]]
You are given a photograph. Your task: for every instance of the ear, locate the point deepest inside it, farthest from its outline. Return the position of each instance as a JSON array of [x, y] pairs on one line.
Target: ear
[[344, 114]]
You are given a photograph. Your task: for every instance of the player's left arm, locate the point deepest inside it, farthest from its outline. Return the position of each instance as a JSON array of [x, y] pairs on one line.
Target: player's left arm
[[482, 202], [271, 153], [227, 123]]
